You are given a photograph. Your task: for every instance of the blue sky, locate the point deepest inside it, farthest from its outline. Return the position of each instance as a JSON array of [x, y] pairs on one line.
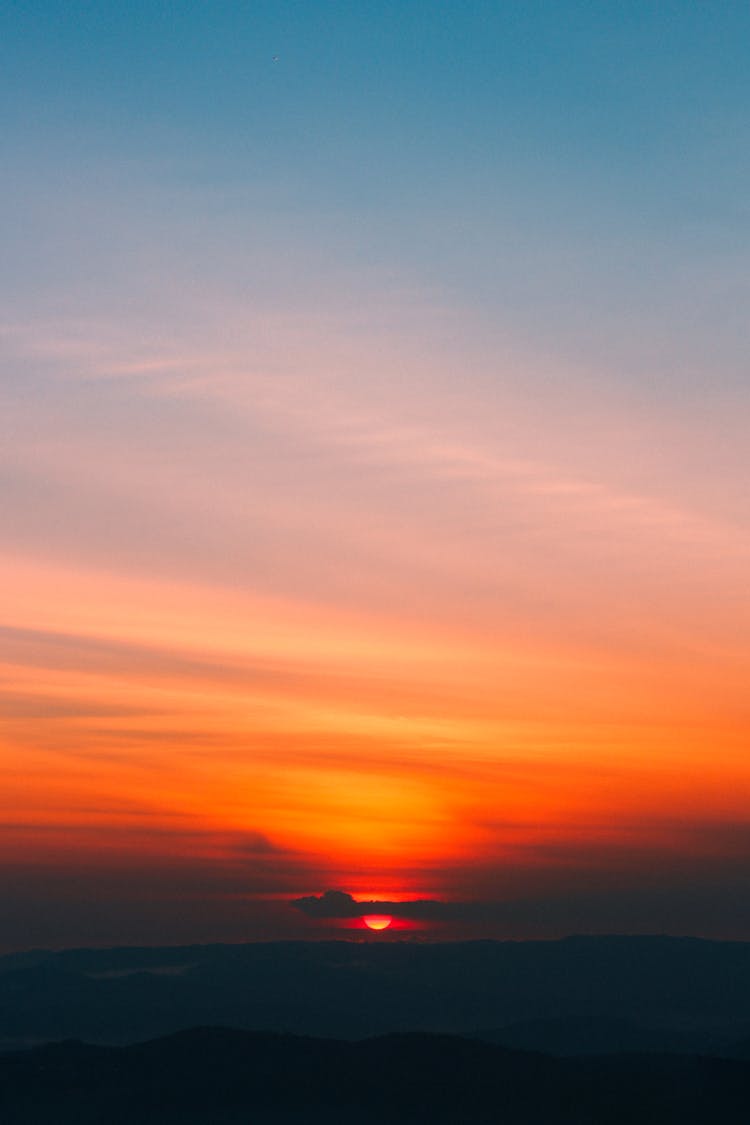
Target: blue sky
[[577, 171]]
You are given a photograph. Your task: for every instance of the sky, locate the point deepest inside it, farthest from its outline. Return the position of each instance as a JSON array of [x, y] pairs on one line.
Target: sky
[[373, 469]]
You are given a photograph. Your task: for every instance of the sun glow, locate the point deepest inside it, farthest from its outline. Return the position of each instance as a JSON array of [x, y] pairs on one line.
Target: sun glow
[[377, 921]]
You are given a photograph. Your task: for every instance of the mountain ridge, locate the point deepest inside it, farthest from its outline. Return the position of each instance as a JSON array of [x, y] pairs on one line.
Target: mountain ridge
[[609, 992], [226, 1076]]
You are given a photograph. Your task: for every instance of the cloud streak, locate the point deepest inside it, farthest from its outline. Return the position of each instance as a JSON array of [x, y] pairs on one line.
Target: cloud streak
[[340, 905], [405, 529]]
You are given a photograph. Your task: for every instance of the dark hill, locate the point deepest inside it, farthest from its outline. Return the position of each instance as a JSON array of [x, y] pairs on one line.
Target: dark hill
[[598, 1035], [223, 1077]]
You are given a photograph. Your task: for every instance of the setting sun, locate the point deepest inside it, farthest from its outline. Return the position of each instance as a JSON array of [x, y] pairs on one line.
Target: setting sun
[[377, 921]]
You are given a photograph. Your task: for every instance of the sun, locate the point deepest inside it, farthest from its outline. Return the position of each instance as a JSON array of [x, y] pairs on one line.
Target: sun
[[377, 921]]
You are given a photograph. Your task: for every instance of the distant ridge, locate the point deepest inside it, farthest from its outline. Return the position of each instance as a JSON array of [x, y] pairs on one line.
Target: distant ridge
[[573, 996]]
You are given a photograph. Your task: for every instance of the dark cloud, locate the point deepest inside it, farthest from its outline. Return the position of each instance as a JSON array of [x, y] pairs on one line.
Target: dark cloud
[[706, 896], [339, 904], [331, 904]]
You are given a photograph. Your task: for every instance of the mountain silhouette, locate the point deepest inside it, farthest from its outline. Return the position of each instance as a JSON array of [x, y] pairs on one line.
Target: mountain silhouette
[[578, 995], [223, 1077]]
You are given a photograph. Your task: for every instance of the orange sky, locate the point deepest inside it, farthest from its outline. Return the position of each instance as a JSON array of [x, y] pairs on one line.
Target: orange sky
[[373, 470], [302, 744]]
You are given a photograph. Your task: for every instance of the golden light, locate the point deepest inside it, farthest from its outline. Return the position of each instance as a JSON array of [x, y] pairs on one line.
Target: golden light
[[377, 921]]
